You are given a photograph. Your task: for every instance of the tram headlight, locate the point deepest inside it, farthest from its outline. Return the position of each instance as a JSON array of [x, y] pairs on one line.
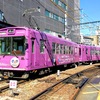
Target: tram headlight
[[14, 62]]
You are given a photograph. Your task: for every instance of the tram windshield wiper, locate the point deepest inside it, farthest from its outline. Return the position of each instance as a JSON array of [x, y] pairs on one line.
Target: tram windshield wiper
[[14, 53], [6, 51]]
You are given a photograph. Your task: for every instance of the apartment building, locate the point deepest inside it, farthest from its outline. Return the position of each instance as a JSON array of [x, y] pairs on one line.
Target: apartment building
[[55, 17]]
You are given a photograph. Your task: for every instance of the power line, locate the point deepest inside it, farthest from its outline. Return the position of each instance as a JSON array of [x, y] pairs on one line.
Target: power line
[[89, 22]]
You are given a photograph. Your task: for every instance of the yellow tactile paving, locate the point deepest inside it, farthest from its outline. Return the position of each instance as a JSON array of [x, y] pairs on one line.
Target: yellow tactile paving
[[98, 97], [90, 92]]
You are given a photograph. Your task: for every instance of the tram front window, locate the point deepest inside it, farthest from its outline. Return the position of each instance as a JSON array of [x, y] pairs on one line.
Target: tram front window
[[11, 45]]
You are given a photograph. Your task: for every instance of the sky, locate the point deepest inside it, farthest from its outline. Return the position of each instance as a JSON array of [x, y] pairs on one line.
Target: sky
[[91, 8], [91, 11]]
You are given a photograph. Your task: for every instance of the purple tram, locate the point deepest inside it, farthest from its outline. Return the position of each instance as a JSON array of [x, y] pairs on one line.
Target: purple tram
[[89, 54], [24, 51]]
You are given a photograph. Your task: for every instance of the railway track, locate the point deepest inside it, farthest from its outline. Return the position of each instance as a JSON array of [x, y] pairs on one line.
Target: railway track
[[77, 80], [53, 86], [5, 85]]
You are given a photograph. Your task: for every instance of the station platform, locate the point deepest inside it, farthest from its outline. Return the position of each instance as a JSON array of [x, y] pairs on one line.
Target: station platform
[[91, 91]]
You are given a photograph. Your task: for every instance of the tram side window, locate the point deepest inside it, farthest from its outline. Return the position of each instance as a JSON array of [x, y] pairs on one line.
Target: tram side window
[[86, 51], [72, 50], [42, 46], [64, 49], [97, 52], [53, 48], [57, 48], [94, 52], [3, 47], [32, 46], [67, 49], [80, 51], [61, 49], [91, 51]]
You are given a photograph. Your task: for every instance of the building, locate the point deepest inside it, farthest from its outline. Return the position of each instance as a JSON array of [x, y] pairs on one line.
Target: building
[[56, 17], [96, 37], [3, 22], [96, 40], [86, 40]]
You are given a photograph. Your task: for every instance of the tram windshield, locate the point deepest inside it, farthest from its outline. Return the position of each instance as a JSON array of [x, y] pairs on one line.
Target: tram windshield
[[12, 45]]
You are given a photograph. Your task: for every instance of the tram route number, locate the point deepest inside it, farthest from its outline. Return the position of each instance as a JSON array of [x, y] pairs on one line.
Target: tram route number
[[13, 84]]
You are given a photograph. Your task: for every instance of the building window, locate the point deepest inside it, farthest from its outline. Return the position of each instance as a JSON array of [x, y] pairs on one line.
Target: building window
[[39, 10], [1, 16], [61, 19], [54, 16], [47, 30], [56, 1], [61, 4], [51, 15], [47, 13]]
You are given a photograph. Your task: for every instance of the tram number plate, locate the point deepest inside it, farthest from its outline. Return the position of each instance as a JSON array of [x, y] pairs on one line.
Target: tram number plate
[[13, 84]]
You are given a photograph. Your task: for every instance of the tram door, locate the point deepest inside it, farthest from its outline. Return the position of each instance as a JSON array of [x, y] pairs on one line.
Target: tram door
[[87, 54], [38, 53], [33, 51], [76, 56], [42, 54], [81, 52]]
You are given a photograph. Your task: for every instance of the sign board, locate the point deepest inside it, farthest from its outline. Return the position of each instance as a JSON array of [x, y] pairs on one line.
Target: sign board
[[13, 84]]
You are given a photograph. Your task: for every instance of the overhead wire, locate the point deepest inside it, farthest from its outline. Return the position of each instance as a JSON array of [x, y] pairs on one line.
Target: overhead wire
[[92, 25], [83, 15]]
